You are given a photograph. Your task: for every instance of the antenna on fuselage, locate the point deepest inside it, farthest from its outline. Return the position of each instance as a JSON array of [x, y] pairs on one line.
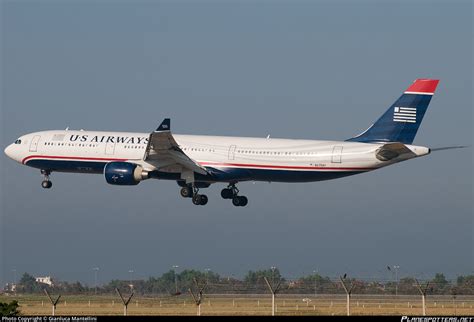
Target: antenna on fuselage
[[268, 136], [67, 128]]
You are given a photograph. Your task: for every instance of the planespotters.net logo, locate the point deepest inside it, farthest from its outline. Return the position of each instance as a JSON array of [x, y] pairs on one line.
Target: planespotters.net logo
[[437, 319]]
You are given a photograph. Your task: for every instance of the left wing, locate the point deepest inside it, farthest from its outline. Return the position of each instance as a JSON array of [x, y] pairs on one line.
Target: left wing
[[164, 151]]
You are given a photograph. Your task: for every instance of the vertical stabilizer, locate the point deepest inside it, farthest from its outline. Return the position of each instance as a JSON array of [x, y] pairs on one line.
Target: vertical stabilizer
[[402, 120]]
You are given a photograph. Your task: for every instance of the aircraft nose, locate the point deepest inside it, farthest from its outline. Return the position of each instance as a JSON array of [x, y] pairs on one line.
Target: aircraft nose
[[9, 151]]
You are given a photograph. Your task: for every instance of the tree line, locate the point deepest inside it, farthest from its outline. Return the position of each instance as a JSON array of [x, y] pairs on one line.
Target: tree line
[[173, 283]]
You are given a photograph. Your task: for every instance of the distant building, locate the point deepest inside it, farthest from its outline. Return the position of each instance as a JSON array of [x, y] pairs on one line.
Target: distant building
[[10, 287], [45, 280]]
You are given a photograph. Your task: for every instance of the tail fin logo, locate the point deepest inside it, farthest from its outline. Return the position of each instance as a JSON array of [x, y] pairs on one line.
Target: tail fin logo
[[404, 114]]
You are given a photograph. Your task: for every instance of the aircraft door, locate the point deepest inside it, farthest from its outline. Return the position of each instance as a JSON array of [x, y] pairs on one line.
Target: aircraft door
[[336, 154], [34, 143], [110, 148], [232, 152]]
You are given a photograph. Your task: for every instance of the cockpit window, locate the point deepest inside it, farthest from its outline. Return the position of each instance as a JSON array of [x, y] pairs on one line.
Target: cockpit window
[[18, 141]]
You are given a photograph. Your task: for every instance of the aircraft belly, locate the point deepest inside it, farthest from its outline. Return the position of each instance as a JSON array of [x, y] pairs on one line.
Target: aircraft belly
[[270, 175], [68, 165]]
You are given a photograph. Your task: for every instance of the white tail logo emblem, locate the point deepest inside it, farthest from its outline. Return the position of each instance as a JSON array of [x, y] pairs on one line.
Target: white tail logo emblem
[[404, 114]]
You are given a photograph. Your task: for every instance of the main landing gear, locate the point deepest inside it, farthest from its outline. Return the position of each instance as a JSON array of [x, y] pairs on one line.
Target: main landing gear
[[231, 192], [46, 183], [191, 191]]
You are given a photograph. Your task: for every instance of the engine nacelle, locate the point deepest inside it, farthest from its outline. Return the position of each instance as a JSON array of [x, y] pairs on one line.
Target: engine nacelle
[[124, 173]]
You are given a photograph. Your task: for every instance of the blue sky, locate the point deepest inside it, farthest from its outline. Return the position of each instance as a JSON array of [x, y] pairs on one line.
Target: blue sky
[[294, 69]]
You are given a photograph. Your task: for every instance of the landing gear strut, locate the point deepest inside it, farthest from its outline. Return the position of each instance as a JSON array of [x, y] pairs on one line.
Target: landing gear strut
[[231, 192], [46, 183], [191, 191]]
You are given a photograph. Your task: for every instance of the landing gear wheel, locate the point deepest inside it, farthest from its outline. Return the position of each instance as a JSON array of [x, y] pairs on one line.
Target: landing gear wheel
[[240, 201], [231, 192], [46, 184], [236, 201], [186, 192], [227, 193], [243, 201], [203, 200], [197, 199]]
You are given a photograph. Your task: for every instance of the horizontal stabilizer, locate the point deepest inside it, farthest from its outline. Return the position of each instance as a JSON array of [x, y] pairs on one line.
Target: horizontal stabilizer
[[449, 147]]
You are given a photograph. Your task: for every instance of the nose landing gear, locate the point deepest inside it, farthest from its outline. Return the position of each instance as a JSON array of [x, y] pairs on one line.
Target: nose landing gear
[[46, 183]]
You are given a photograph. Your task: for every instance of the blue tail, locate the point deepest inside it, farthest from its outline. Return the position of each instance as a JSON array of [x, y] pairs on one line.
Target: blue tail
[[402, 120]]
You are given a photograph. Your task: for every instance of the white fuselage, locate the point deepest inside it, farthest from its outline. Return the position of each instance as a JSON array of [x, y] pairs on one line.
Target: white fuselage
[[230, 159]]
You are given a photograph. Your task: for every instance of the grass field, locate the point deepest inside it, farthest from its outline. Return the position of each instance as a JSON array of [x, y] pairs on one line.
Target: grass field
[[246, 305]]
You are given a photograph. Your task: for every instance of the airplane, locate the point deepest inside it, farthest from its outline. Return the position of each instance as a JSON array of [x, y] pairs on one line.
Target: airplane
[[197, 161]]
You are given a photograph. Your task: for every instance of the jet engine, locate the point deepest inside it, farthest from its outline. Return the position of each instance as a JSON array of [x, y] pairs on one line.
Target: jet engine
[[124, 173]]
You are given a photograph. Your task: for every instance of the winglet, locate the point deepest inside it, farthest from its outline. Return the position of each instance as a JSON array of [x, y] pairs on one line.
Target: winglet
[[164, 126]]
